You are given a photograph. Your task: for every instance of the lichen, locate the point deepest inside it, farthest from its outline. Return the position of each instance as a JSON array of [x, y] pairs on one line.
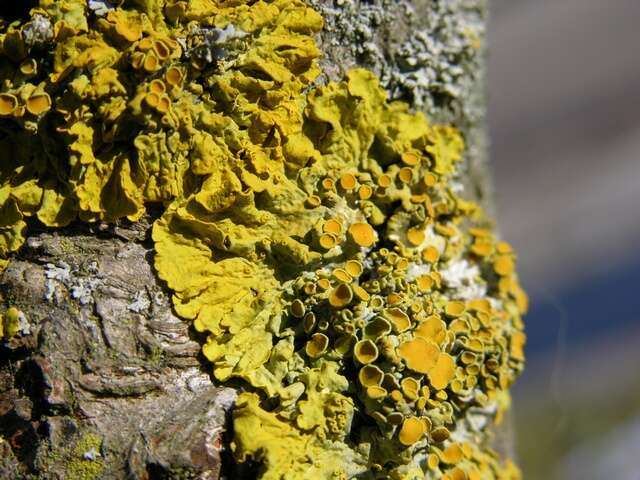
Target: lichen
[[86, 463], [79, 284], [12, 322], [433, 60], [315, 233], [81, 458]]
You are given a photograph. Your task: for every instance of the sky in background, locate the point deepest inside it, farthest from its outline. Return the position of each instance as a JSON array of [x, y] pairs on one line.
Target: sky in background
[[564, 82]]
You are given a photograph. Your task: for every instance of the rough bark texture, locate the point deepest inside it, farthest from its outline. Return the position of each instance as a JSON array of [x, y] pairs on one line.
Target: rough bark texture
[[108, 381], [104, 381]]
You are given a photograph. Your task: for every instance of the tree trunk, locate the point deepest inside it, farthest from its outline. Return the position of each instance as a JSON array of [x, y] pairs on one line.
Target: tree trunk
[[103, 380]]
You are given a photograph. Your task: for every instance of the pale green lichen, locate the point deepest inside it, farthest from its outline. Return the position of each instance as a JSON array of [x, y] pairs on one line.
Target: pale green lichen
[[314, 233], [86, 463], [79, 459]]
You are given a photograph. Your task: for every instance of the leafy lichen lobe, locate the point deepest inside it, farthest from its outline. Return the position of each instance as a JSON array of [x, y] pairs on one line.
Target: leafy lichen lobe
[[316, 234]]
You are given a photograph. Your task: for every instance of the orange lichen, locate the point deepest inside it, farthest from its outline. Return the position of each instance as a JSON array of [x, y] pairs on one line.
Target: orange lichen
[[504, 265], [38, 104], [327, 241], [341, 296], [348, 181], [410, 387], [297, 308], [314, 233], [328, 184], [317, 345], [361, 293], [29, 67], [353, 267], [362, 234], [365, 192], [430, 180], [332, 226], [425, 283], [370, 376], [376, 393], [405, 175], [8, 104], [365, 351], [430, 254], [419, 354], [377, 328], [442, 372], [384, 181], [415, 236], [453, 454], [503, 248], [454, 308], [413, 429], [518, 340], [482, 248], [440, 434], [313, 201], [399, 319], [410, 158], [433, 328]]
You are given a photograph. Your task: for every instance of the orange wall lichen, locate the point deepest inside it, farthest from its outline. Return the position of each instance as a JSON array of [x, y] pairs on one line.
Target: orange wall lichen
[[315, 233]]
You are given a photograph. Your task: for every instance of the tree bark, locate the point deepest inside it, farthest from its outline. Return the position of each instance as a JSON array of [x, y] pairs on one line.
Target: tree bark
[[104, 380]]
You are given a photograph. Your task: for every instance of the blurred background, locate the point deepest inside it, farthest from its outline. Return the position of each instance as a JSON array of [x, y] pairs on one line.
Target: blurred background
[[564, 81]]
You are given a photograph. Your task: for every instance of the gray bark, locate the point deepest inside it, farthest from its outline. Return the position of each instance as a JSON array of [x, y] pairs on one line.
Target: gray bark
[[107, 379], [104, 380]]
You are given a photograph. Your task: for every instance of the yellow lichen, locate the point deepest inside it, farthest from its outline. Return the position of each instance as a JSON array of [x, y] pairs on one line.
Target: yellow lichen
[[288, 453], [398, 318], [454, 309], [353, 268], [38, 104], [308, 231], [9, 323], [442, 372], [8, 104], [433, 328], [416, 236], [341, 296], [430, 254], [419, 354], [362, 234], [412, 430], [317, 345], [365, 351], [370, 376]]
